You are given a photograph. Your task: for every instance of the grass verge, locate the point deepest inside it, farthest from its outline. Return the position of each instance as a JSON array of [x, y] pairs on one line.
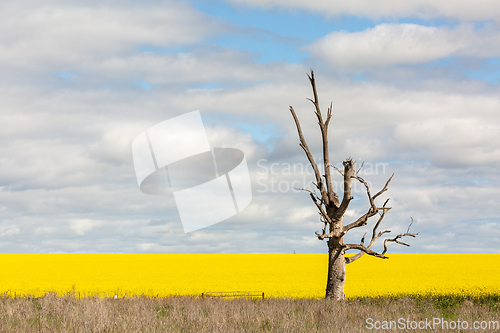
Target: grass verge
[[51, 313]]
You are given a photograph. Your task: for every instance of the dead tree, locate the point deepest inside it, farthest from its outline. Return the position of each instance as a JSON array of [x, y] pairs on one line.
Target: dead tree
[[332, 209]]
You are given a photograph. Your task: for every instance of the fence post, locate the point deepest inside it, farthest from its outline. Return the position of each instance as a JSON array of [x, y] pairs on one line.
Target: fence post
[[262, 295]]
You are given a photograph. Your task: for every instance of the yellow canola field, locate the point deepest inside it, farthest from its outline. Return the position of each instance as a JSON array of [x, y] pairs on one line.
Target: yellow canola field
[[278, 275]]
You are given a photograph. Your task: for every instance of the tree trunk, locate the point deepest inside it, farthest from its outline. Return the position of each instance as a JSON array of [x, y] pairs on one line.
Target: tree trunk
[[336, 270]]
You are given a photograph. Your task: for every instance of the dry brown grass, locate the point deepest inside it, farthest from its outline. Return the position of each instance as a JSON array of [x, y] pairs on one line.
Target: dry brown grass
[[188, 314]]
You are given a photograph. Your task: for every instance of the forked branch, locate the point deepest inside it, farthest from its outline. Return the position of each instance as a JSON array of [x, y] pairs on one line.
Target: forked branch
[[363, 250], [367, 249], [303, 144], [395, 239], [323, 125], [373, 210]]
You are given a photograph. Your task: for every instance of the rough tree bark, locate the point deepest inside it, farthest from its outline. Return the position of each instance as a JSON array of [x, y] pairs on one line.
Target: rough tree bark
[[331, 210]]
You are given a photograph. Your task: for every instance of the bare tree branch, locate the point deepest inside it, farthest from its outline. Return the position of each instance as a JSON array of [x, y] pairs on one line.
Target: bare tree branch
[[320, 208], [340, 171], [310, 157], [323, 235], [316, 100], [370, 198], [323, 215], [385, 187], [374, 235], [332, 196], [361, 253], [363, 249], [306, 190], [349, 171], [374, 238], [378, 222], [395, 239], [360, 222], [363, 163], [373, 210], [363, 239]]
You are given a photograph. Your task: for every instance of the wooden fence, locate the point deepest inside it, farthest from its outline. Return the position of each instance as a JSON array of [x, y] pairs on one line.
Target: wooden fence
[[234, 294]]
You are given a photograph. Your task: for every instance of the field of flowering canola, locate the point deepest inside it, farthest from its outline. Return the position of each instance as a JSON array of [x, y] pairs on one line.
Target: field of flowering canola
[[278, 275]]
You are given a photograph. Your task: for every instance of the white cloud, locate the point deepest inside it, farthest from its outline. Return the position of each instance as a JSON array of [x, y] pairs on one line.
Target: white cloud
[[395, 44], [205, 65], [9, 231], [82, 226], [452, 142], [463, 10], [57, 35]]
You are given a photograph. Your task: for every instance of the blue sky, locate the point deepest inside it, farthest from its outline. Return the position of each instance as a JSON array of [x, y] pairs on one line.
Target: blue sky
[[414, 87], [281, 35], [275, 35]]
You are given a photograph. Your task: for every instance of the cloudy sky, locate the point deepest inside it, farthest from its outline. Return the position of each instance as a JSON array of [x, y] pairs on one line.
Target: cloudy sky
[[414, 86]]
